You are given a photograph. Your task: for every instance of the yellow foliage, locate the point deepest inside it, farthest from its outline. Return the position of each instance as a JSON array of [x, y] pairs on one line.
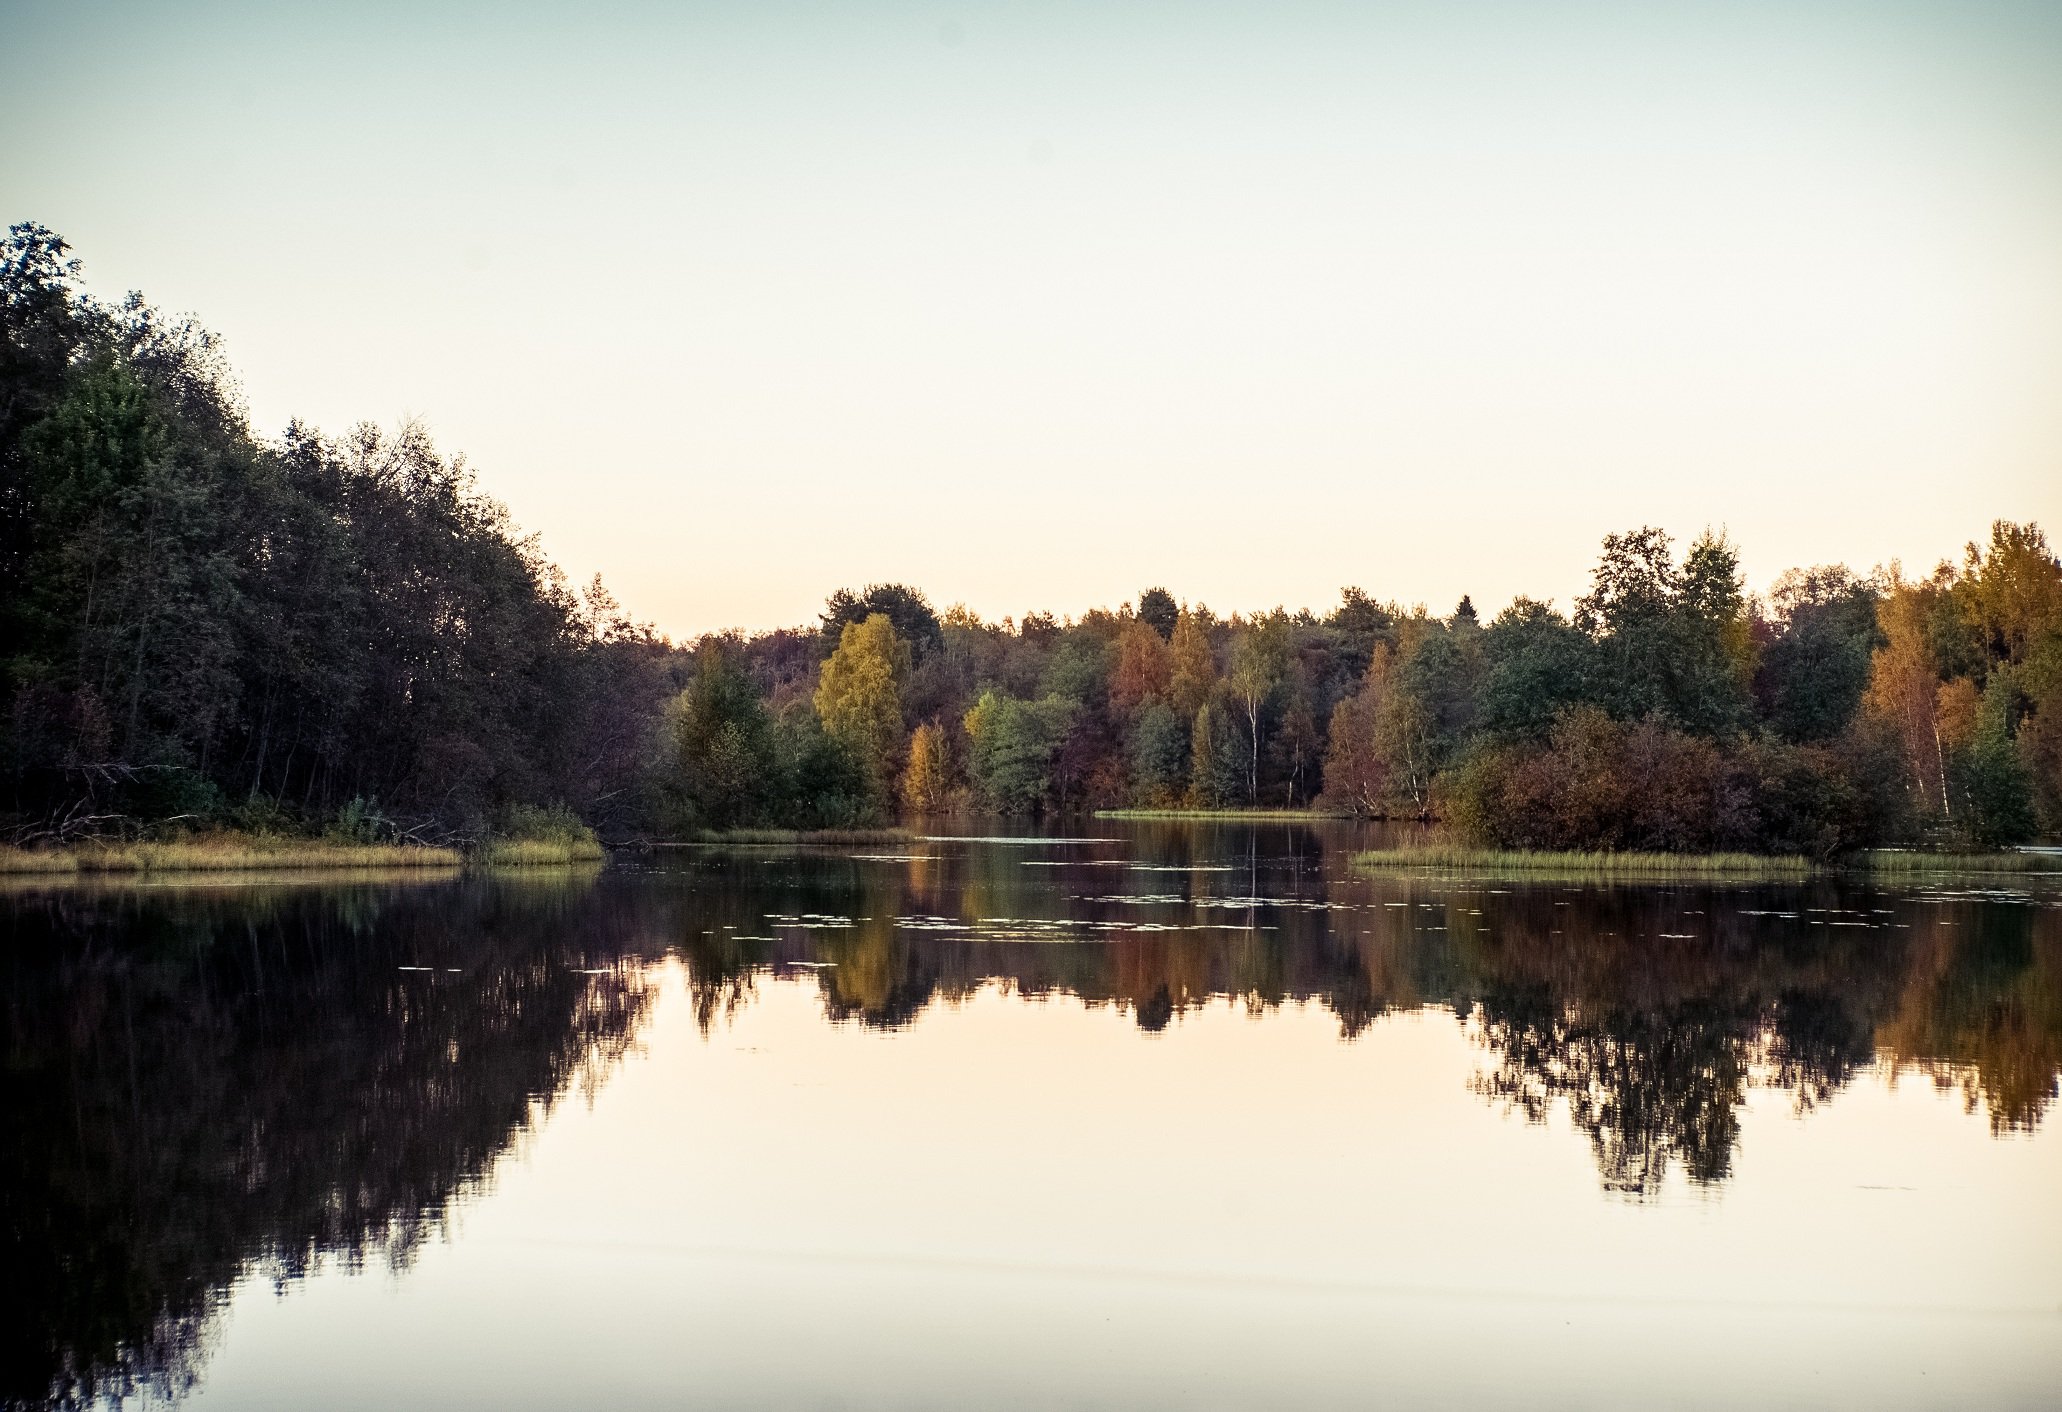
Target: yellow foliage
[[1192, 669], [927, 783], [1144, 667], [859, 695]]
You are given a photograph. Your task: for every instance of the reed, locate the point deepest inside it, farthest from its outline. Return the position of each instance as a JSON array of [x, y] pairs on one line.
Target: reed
[[222, 852], [1592, 864], [537, 852], [1915, 862]]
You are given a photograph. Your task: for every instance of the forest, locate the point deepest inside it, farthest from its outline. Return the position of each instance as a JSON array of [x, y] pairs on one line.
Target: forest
[[205, 628]]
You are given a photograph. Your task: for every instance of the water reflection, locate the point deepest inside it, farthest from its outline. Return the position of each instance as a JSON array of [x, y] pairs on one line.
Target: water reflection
[[1648, 1011], [203, 1083]]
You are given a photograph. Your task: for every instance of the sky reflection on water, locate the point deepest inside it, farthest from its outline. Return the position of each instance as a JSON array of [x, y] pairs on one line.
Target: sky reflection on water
[[1224, 1125]]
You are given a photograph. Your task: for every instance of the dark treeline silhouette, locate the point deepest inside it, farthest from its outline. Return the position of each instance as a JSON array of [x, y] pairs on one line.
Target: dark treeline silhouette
[[202, 626], [197, 623]]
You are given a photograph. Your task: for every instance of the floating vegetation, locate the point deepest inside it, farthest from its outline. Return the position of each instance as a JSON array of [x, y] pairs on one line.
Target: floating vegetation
[[1235, 816], [750, 836], [1015, 840]]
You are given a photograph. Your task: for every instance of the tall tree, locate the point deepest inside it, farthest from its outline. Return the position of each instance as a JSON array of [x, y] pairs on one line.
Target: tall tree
[[1810, 677], [1011, 743], [905, 607], [1536, 665], [859, 698], [1259, 657], [723, 742], [1192, 667], [927, 782], [1157, 610], [1143, 670], [1904, 689]]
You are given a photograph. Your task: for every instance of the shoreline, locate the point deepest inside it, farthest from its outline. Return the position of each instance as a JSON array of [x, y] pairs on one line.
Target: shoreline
[[1743, 867], [247, 853]]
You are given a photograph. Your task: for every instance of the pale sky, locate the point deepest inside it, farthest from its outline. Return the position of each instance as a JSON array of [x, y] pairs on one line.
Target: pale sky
[[1036, 305]]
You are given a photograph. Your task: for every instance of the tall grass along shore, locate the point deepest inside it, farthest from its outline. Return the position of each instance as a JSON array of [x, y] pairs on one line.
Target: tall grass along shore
[[229, 851], [1588, 864], [1746, 867], [222, 853]]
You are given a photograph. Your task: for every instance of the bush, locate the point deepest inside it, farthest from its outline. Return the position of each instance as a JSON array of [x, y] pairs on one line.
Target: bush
[[1599, 784]]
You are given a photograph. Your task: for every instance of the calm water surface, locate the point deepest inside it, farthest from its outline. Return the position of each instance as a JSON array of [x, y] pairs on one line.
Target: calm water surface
[[1170, 1116]]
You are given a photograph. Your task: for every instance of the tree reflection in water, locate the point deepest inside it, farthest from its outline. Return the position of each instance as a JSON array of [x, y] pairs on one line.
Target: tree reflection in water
[[211, 1082], [202, 1084], [1646, 1012]]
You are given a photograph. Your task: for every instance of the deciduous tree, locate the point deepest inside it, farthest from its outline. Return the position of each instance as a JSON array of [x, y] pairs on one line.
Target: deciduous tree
[[859, 697]]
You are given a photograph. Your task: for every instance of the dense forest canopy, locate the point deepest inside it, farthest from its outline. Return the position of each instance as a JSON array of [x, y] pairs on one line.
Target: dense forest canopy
[[204, 626]]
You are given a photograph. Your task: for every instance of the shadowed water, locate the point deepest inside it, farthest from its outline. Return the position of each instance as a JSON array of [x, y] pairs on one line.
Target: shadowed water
[[1158, 1114]]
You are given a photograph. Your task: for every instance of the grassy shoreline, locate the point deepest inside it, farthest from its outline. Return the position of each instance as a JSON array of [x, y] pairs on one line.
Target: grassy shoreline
[[1598, 864], [1912, 860], [1745, 867], [256, 853]]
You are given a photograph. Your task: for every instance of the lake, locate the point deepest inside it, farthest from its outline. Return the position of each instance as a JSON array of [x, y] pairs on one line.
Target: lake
[[1149, 1115]]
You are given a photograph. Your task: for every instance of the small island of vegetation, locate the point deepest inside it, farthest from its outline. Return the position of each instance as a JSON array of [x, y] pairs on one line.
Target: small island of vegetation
[[222, 650]]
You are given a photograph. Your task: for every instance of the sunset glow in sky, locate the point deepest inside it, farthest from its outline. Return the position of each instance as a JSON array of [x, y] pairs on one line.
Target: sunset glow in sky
[[1035, 305]]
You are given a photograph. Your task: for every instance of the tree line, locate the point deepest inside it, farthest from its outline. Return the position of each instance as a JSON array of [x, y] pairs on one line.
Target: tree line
[[1670, 710], [201, 625], [344, 631]]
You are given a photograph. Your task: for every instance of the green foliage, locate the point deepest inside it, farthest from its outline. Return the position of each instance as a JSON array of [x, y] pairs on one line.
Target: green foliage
[[1159, 755], [359, 821], [529, 835], [824, 784], [725, 768], [1672, 642], [203, 626], [1011, 747], [915, 623], [1812, 674], [1989, 780], [205, 618], [1217, 759], [1426, 716], [1536, 665], [1362, 621], [1079, 669], [1158, 610]]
